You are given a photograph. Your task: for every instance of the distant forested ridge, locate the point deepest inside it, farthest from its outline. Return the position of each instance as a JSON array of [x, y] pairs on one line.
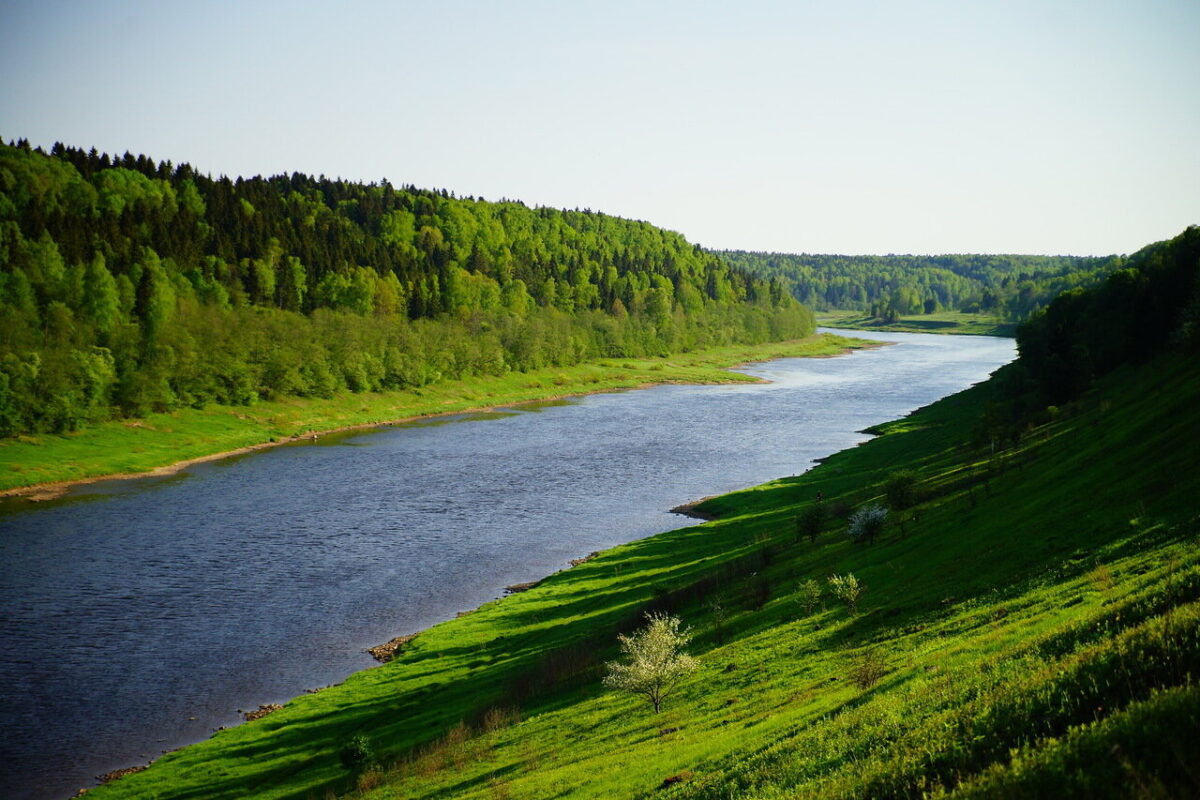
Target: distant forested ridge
[[1009, 286], [129, 286]]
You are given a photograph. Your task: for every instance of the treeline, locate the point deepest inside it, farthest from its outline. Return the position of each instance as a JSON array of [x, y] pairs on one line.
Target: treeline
[[1150, 305], [129, 286], [1009, 286]]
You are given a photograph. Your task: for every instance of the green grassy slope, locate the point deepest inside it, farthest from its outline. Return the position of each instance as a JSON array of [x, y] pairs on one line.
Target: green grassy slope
[[1037, 608]]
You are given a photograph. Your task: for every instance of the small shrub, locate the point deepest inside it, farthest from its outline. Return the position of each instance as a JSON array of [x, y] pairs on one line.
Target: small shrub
[[358, 754], [810, 595], [867, 669], [809, 522], [848, 589], [901, 490], [720, 617], [866, 523]]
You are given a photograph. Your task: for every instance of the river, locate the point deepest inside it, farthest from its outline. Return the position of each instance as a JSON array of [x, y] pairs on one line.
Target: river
[[139, 615]]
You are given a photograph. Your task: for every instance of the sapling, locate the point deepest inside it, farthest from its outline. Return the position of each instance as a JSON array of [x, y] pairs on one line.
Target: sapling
[[809, 522], [657, 663], [810, 595], [848, 589], [358, 754]]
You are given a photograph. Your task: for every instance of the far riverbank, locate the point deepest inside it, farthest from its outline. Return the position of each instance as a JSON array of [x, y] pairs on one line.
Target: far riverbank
[[44, 467], [946, 322]]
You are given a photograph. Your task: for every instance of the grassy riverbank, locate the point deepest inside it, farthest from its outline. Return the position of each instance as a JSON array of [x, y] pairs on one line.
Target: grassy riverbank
[[1034, 613], [131, 447], [957, 322]]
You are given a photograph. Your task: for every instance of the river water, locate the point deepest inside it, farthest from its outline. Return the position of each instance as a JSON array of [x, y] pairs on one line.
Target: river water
[[139, 615]]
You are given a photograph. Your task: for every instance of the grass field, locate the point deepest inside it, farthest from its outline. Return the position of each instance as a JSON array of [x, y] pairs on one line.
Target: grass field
[[1029, 627], [160, 440], [941, 322]]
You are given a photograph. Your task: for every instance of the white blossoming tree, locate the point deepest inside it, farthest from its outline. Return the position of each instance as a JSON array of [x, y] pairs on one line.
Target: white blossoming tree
[[656, 661], [866, 523]]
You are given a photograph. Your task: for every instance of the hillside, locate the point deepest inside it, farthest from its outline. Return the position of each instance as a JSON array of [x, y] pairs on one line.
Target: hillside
[[1007, 287], [130, 287], [1030, 622]]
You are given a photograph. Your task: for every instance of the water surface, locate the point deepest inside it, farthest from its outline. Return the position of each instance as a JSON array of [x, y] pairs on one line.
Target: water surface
[[139, 615]]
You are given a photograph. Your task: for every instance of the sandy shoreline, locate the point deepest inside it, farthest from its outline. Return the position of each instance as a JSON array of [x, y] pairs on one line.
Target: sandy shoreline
[[51, 490]]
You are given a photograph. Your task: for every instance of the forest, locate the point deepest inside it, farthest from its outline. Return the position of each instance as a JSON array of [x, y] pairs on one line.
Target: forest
[[1150, 305], [1009, 286], [129, 286]]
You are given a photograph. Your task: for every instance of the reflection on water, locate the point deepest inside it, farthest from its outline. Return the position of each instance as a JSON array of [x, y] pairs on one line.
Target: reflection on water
[[140, 615]]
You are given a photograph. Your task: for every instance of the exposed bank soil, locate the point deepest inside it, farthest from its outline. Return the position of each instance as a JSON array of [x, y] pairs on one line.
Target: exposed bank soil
[[689, 509], [261, 711], [387, 651]]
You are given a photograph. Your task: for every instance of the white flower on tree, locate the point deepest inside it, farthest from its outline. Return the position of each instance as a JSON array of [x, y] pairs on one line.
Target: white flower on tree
[[656, 661]]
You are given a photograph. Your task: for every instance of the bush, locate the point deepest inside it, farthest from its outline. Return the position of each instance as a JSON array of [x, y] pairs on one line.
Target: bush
[[808, 523], [866, 523], [901, 490], [867, 669], [810, 595], [358, 754], [848, 589]]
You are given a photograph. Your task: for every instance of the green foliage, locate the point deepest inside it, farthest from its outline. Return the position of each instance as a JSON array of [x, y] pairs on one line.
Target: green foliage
[[101, 303], [358, 754], [214, 291], [901, 490], [656, 661], [810, 521], [892, 286], [810, 595], [1129, 318], [848, 589], [866, 523]]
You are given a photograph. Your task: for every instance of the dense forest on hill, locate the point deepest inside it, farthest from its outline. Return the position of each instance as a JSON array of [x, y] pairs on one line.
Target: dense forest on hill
[[129, 286], [1009, 286], [1148, 306]]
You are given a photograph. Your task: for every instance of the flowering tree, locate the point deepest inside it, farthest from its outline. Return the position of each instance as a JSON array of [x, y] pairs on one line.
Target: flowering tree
[[866, 523], [656, 661]]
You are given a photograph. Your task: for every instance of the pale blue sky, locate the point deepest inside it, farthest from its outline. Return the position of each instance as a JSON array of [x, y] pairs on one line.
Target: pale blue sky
[[852, 127]]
